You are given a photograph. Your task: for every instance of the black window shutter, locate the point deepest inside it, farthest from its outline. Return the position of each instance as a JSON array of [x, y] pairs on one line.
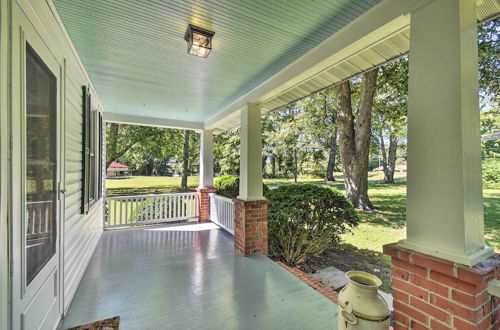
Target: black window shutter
[[99, 166], [85, 150]]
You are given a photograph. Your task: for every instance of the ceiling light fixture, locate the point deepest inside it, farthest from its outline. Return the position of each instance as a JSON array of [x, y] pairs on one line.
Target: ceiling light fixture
[[199, 40]]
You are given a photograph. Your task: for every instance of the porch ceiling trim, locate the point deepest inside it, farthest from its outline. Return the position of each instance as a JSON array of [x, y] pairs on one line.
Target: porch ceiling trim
[[151, 121], [368, 29], [376, 37]]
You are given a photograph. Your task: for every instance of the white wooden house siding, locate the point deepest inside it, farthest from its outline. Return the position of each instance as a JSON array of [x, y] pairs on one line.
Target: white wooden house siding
[[79, 233]]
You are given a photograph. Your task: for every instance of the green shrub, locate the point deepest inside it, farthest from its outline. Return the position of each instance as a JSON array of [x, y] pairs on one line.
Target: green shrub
[[491, 173], [306, 219], [229, 186]]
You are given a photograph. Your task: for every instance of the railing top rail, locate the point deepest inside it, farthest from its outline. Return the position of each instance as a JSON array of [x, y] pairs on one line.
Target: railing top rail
[[229, 200], [150, 196], [39, 202]]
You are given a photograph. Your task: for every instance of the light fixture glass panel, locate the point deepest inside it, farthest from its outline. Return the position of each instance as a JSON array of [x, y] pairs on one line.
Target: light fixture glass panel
[[199, 41]]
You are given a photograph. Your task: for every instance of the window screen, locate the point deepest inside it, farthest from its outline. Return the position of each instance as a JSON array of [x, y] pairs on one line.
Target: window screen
[[41, 164]]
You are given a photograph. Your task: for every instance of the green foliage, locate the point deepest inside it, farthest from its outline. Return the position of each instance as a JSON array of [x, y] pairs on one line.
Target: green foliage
[[227, 152], [489, 62], [391, 102], [150, 150], [229, 186], [491, 173], [297, 137], [305, 219], [490, 124]]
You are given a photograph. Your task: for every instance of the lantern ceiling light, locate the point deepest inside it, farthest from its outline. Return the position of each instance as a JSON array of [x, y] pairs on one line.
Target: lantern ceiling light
[[199, 40]]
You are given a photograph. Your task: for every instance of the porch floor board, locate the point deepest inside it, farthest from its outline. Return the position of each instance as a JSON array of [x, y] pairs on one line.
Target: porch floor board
[[189, 277]]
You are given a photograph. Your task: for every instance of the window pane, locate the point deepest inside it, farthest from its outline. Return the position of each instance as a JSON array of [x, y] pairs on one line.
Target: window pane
[[41, 169]]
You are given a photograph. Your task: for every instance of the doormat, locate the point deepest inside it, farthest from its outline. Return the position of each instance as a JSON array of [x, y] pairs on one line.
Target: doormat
[[107, 324]]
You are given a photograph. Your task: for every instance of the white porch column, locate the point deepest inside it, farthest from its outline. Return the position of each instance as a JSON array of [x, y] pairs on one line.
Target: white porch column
[[444, 208], [250, 223], [251, 154], [206, 159]]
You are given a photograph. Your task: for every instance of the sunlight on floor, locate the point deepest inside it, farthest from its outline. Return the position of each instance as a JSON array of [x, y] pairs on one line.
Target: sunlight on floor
[[187, 227]]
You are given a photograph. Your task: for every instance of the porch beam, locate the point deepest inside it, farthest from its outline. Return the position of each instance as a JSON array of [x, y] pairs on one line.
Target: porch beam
[[151, 121], [444, 207], [206, 159], [251, 154]]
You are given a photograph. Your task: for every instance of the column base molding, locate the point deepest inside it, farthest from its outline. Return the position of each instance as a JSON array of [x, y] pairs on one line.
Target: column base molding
[[460, 258]]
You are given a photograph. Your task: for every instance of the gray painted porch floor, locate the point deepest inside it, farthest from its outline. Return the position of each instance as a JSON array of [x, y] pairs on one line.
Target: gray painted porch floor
[[189, 277]]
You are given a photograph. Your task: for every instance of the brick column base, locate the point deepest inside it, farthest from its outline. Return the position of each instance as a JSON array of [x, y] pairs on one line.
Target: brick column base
[[250, 231], [432, 293], [204, 203]]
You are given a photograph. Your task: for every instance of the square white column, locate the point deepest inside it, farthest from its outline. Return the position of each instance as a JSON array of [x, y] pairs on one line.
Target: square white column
[[251, 154], [444, 207], [206, 159]]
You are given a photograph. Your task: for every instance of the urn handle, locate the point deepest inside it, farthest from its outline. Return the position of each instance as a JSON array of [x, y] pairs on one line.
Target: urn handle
[[349, 317]]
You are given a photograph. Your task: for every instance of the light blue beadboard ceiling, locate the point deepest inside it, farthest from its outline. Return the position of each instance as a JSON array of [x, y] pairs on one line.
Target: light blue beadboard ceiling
[[136, 56]]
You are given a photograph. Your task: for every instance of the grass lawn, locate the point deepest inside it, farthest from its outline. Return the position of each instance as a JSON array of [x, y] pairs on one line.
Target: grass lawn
[[143, 185], [388, 224], [372, 176], [136, 185]]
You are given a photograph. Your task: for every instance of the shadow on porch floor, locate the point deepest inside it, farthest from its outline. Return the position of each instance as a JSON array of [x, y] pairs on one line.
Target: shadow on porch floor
[[189, 277]]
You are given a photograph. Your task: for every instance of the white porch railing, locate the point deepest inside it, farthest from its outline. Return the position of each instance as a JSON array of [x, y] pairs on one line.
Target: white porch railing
[[222, 212], [124, 211], [38, 219]]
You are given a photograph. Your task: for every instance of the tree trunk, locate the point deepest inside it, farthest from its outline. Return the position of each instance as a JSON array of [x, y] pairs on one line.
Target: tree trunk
[[185, 160], [354, 139], [391, 161], [264, 167], [383, 153], [112, 153], [331, 157], [295, 167], [149, 167], [273, 166]]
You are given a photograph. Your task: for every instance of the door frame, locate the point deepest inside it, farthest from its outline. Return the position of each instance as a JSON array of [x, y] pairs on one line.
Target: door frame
[[21, 294], [4, 165]]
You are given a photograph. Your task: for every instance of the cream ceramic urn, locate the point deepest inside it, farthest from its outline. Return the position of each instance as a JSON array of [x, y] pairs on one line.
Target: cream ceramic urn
[[360, 304]]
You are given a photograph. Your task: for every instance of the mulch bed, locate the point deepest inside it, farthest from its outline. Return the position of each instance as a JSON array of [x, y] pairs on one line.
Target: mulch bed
[[347, 257]]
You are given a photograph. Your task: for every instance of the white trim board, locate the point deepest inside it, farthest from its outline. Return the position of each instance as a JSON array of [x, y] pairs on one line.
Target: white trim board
[[151, 121]]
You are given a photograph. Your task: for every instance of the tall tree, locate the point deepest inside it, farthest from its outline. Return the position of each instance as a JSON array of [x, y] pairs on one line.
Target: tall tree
[[226, 152], [185, 160], [285, 134], [319, 127], [354, 138], [332, 156], [121, 138], [489, 63], [390, 108]]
